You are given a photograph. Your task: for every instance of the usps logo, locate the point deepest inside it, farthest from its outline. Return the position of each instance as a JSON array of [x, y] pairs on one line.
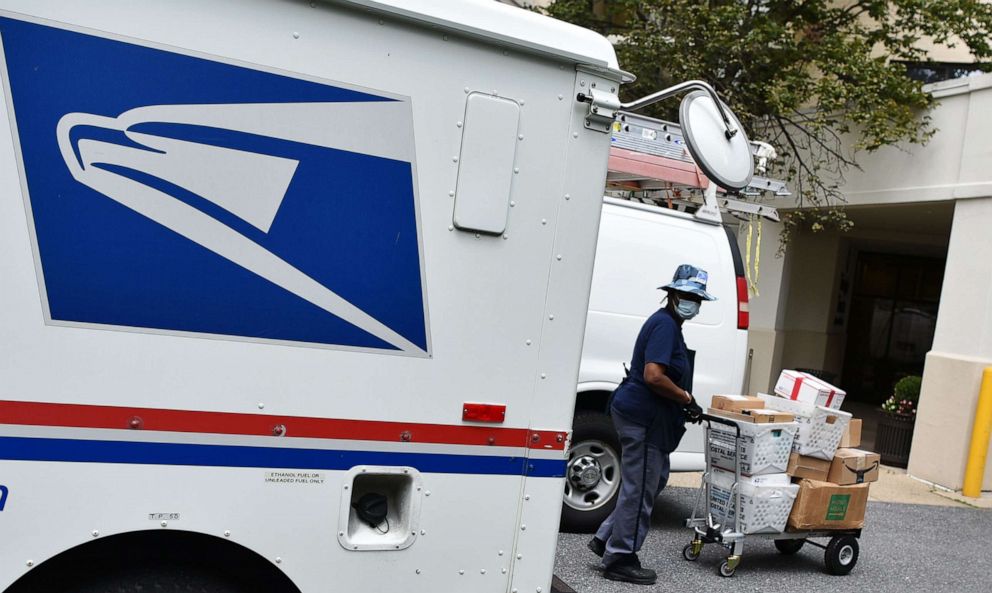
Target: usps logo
[[178, 193]]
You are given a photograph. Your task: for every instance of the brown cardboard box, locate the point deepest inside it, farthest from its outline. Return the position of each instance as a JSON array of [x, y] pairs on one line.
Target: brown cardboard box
[[801, 466], [853, 466], [852, 434], [822, 505], [736, 403], [756, 416]]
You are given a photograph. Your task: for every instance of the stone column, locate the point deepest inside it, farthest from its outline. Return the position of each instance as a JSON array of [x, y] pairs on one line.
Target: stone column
[[962, 348]]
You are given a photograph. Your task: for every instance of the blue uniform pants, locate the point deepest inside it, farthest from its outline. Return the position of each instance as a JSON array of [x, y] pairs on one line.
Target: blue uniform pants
[[644, 474]]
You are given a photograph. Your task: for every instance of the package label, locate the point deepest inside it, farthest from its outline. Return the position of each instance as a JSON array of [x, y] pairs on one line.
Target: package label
[[837, 507]]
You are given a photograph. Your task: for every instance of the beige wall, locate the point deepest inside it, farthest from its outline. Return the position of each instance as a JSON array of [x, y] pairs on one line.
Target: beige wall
[[962, 348]]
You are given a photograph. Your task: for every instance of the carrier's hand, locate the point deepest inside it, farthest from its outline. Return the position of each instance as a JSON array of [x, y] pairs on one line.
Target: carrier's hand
[[693, 411]]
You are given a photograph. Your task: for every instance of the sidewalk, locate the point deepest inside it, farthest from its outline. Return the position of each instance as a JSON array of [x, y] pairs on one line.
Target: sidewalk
[[893, 485]]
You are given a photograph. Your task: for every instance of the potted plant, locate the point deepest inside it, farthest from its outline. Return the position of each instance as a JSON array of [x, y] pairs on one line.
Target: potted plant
[[895, 427]]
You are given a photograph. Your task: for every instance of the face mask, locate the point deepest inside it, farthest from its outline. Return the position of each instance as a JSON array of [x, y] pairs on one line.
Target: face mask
[[686, 309]]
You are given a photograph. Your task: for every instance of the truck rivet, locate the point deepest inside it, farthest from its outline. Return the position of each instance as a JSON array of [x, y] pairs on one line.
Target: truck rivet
[[345, 487], [419, 488], [520, 137], [428, 493], [461, 572], [503, 571], [535, 437], [397, 546], [227, 534], [558, 257], [454, 159], [575, 134], [560, 97], [519, 557], [538, 590], [95, 533], [135, 423], [30, 563], [340, 534], [458, 125], [423, 532], [526, 496], [505, 236], [516, 169], [261, 406], [466, 90], [551, 317], [512, 203], [523, 528], [544, 221], [451, 194], [417, 571], [500, 553], [279, 430], [478, 236], [568, 196], [613, 89], [406, 471], [560, 438], [491, 440], [164, 523], [405, 436], [514, 590], [278, 560], [296, 35], [451, 227], [582, 83], [522, 104], [528, 342], [544, 375], [483, 571]]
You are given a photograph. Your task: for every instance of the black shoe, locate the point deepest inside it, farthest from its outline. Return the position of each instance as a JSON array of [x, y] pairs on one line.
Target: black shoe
[[630, 572], [597, 546]]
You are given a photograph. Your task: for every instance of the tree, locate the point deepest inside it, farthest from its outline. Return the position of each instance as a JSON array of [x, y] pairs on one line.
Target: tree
[[821, 80]]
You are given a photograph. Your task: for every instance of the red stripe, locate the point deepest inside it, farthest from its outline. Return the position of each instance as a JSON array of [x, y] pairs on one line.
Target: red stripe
[[88, 416], [796, 387], [830, 398]]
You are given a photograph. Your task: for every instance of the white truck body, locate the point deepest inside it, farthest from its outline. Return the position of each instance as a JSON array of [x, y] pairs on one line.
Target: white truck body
[[236, 277]]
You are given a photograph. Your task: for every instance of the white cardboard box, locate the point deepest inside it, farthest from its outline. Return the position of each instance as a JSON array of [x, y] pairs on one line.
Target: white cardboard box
[[806, 388]]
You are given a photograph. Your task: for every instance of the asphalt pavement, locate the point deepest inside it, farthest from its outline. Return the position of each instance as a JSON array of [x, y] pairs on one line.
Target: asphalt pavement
[[904, 547]]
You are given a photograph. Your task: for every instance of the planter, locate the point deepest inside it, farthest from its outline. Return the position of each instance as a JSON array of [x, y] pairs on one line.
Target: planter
[[894, 438]]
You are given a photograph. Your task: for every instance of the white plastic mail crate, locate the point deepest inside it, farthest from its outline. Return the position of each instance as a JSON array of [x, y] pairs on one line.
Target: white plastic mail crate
[[765, 508], [765, 447], [820, 428]]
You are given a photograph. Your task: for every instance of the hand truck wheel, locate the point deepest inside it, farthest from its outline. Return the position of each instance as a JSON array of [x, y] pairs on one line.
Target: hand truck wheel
[[841, 554], [789, 547], [729, 566], [690, 551]]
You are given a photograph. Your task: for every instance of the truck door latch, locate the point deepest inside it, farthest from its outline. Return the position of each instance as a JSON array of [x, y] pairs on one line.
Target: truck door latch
[[603, 109]]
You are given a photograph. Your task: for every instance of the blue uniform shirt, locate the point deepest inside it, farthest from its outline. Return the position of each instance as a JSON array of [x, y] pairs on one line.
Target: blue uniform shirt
[[660, 341]]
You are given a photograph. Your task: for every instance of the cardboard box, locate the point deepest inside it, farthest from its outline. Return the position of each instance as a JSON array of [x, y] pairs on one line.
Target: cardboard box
[[822, 505], [811, 468], [736, 403], [852, 436], [853, 466], [756, 416], [806, 388]]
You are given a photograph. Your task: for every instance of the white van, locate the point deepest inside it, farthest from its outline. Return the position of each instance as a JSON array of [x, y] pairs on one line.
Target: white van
[[639, 248]]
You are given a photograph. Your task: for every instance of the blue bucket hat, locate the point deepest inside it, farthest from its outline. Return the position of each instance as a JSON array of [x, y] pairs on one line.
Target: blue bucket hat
[[690, 279]]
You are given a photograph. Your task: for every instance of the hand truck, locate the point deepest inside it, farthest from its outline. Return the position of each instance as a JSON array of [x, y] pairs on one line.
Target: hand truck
[[840, 553]]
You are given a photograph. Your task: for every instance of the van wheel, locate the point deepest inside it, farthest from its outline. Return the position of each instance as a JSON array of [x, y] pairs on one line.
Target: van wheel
[[592, 477]]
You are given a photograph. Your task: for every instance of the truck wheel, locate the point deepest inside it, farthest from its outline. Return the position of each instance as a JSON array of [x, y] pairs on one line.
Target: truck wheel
[[592, 477]]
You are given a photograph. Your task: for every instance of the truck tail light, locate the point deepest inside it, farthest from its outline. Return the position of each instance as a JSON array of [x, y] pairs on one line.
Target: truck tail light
[[495, 413], [743, 316]]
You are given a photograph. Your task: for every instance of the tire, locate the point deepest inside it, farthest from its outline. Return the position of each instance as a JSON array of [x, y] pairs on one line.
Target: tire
[[592, 477], [841, 554], [789, 547]]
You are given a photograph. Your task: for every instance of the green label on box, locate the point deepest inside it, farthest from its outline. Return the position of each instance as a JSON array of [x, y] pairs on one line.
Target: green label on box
[[837, 507]]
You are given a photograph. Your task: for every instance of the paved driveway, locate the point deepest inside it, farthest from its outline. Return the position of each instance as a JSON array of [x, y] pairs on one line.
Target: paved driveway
[[903, 548]]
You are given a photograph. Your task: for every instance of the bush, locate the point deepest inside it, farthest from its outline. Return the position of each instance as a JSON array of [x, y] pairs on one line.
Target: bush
[[908, 388]]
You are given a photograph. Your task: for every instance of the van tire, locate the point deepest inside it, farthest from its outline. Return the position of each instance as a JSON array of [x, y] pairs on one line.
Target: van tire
[[595, 450]]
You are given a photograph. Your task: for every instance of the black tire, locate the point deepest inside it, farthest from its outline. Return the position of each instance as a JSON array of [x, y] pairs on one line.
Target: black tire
[[789, 546], [591, 431], [841, 554]]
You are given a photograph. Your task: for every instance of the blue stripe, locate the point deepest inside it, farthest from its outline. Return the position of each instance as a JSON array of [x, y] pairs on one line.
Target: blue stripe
[[38, 449]]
